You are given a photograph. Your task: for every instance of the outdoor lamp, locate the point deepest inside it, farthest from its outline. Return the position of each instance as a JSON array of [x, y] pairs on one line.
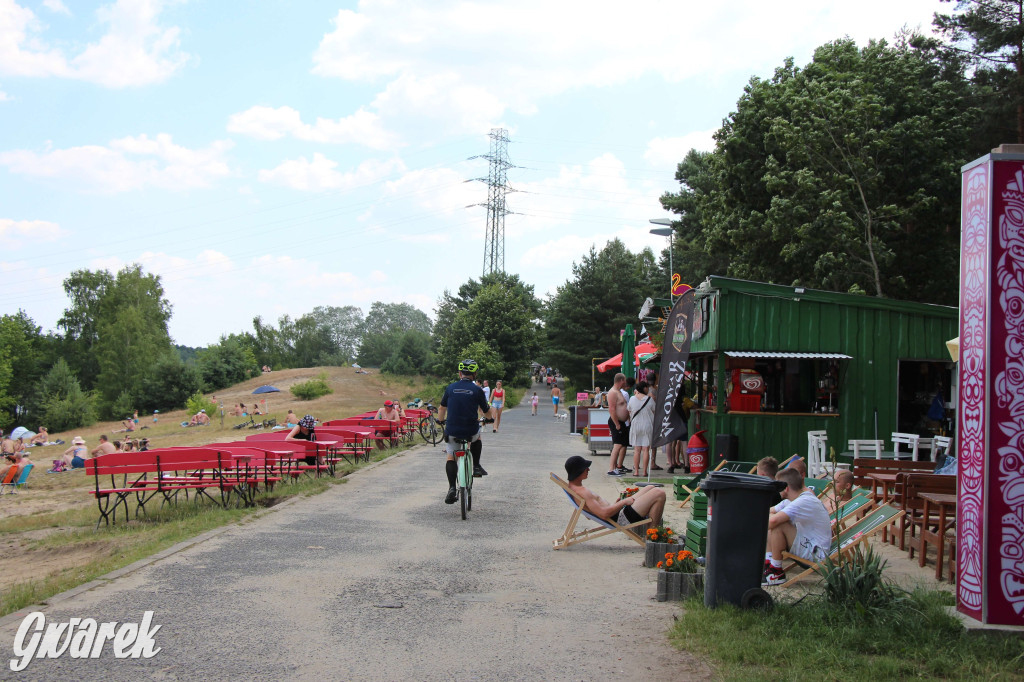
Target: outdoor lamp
[[670, 233]]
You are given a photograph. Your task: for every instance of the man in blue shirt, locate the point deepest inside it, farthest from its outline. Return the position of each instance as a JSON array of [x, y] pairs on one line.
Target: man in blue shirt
[[462, 401]]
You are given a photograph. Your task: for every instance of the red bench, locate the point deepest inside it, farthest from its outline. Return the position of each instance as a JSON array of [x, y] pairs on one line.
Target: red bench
[[385, 432]]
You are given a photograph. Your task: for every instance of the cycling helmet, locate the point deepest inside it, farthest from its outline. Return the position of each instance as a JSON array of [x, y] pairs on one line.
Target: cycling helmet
[[468, 366]]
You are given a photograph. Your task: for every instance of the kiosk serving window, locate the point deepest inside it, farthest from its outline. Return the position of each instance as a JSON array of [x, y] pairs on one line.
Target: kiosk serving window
[[792, 383]]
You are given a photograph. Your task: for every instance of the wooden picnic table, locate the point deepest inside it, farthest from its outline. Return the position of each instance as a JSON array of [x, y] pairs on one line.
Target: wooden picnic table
[[945, 503], [884, 483]]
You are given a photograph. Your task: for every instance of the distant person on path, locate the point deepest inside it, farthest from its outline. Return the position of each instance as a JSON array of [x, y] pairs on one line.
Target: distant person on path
[[649, 503], [104, 448], [487, 390], [556, 395], [534, 401], [799, 524], [462, 401], [641, 428], [618, 414], [497, 404], [677, 448]]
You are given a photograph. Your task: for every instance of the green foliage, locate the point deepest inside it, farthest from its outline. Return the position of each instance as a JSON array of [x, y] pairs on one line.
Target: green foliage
[[59, 402], [123, 405], [498, 314], [836, 176], [858, 583], [814, 639], [197, 401], [584, 318], [226, 363], [86, 290], [169, 384], [410, 354], [23, 350], [312, 389]]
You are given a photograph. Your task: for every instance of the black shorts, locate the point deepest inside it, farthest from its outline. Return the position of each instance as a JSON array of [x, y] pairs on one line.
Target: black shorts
[[632, 516], [619, 436]]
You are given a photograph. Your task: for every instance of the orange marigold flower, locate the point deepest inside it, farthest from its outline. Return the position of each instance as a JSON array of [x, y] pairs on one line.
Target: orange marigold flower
[[668, 562], [661, 564], [670, 555]]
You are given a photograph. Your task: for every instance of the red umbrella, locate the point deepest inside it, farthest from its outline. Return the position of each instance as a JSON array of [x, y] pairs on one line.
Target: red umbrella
[[642, 350]]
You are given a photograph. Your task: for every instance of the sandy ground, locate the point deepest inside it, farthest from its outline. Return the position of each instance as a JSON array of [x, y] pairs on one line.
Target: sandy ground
[[54, 493]]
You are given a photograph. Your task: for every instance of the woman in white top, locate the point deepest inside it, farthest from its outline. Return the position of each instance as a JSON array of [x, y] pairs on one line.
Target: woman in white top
[[641, 416]]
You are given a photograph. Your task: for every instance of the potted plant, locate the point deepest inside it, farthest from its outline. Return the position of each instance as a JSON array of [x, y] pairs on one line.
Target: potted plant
[[660, 541], [679, 576]]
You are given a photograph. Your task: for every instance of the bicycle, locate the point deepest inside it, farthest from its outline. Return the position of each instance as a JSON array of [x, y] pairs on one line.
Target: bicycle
[[429, 429], [464, 470]]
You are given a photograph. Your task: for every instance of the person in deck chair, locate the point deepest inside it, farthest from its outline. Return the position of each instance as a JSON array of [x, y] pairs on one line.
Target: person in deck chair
[[801, 526], [649, 503]]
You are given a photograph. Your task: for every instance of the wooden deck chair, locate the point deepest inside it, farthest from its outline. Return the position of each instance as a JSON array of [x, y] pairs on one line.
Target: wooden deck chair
[[692, 487], [571, 536], [848, 539], [820, 486], [851, 510], [785, 463]]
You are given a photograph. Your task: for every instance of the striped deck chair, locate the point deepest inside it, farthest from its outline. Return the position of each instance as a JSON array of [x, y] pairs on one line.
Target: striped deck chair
[[692, 486], [848, 540], [573, 537]]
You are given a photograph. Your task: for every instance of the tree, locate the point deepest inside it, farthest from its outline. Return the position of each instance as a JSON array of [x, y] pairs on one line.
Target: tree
[[411, 354], [991, 34], [384, 317], [837, 176], [85, 289], [582, 321], [226, 363], [23, 349], [499, 312], [59, 402], [170, 384], [345, 326], [131, 333]]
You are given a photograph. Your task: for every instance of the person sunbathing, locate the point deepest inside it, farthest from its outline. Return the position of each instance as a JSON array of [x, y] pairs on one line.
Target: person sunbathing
[[647, 504], [200, 418], [292, 419], [41, 438], [10, 462], [74, 457]]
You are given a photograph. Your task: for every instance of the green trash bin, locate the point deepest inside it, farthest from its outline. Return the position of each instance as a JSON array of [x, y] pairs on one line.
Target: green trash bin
[[737, 535]]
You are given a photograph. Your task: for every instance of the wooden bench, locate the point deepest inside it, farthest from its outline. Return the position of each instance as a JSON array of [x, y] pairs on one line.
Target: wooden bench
[[908, 487], [385, 432], [862, 466]]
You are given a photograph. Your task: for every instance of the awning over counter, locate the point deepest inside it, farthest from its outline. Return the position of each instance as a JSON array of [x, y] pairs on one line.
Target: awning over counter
[[800, 356]]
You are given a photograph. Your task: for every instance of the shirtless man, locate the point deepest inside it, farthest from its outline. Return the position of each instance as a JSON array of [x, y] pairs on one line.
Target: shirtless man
[[388, 412], [618, 413], [556, 396], [648, 504], [104, 448]]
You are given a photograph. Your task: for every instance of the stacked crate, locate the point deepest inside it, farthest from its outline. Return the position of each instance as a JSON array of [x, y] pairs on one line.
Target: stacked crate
[[697, 537]]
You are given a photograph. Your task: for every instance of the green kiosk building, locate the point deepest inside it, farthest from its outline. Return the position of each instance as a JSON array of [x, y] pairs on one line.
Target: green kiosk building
[[770, 363]]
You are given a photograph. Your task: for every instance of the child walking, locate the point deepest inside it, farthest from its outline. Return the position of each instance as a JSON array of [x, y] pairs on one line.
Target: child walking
[[533, 404]]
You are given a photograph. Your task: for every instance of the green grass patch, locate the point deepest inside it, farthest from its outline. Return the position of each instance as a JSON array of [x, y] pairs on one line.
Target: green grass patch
[[809, 640]]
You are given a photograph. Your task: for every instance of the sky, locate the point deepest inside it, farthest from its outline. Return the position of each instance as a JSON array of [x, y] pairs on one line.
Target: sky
[[267, 157]]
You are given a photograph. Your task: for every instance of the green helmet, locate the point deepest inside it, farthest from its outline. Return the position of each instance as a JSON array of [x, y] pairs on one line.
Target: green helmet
[[468, 366]]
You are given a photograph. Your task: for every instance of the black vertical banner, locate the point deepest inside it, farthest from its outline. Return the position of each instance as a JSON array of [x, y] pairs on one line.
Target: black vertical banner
[[675, 352]]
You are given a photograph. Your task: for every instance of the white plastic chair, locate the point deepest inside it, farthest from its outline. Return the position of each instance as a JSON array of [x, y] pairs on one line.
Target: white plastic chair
[[816, 441], [911, 440], [866, 446], [941, 444]]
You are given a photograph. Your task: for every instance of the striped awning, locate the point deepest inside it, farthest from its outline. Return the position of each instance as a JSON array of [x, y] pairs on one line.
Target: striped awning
[[777, 354]]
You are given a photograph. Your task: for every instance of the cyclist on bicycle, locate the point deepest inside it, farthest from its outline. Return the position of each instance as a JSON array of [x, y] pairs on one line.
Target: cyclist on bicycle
[[460, 404]]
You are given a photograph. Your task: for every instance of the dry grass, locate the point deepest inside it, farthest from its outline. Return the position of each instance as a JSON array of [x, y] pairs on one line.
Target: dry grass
[[47, 532]]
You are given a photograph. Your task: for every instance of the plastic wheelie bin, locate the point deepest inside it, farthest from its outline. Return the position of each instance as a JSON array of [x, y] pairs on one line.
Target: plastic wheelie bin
[[737, 534]]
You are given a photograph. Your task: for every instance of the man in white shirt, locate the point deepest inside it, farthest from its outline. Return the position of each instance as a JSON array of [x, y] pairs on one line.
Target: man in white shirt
[[799, 525], [487, 390]]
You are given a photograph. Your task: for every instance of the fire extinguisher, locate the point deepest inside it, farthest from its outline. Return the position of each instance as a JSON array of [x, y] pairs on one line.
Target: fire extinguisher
[[697, 451]]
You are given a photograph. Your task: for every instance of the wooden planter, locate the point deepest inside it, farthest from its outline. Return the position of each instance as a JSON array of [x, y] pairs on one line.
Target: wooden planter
[[656, 551], [676, 586]]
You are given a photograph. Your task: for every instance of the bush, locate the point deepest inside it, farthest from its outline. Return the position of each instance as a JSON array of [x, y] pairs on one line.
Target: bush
[[226, 363], [197, 401], [170, 384], [123, 405], [312, 389], [857, 583]]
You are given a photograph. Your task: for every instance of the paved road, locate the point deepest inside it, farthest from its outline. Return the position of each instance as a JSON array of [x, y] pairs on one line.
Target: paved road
[[378, 579]]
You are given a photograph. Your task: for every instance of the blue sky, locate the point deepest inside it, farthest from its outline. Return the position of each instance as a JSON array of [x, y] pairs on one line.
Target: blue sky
[[268, 157]]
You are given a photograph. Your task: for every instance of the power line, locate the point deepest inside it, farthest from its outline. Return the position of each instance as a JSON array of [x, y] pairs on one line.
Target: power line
[[497, 187]]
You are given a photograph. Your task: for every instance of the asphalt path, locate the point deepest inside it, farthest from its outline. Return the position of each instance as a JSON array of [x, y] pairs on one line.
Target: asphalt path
[[378, 579]]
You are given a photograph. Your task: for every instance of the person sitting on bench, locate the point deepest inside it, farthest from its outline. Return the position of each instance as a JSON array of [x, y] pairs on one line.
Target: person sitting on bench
[[649, 503], [799, 524]]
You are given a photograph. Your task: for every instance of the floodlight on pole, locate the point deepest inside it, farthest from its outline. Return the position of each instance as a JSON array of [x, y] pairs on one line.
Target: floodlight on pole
[[670, 233]]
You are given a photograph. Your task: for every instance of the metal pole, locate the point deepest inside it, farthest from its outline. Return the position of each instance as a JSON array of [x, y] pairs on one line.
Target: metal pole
[[671, 270]]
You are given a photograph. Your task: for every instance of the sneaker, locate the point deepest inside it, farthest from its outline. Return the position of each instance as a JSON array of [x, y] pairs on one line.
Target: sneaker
[[479, 472], [624, 470], [773, 576], [671, 470], [615, 472], [452, 495]]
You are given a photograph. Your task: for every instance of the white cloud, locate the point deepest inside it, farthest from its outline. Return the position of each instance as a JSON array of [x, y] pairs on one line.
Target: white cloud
[[16, 233], [321, 174], [669, 151], [57, 7], [128, 163], [267, 123], [4, 97], [466, 64], [135, 50]]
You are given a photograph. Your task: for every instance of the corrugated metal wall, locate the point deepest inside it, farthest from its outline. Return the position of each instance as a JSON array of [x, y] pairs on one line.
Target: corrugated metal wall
[[876, 338]]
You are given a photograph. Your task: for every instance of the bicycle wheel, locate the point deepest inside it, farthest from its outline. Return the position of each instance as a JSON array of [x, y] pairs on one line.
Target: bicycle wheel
[[469, 499], [430, 431], [462, 498]]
